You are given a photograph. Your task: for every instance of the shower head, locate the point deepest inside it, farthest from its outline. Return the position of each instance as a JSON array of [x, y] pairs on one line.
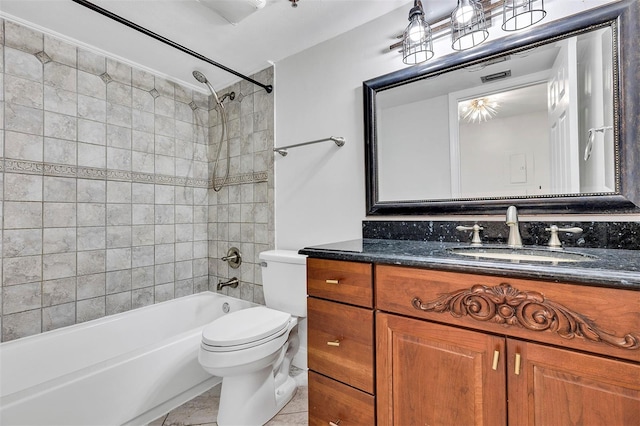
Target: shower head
[[202, 79]]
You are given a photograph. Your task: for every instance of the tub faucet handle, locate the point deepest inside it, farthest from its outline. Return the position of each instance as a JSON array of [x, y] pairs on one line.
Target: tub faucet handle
[[475, 241], [234, 257], [554, 241]]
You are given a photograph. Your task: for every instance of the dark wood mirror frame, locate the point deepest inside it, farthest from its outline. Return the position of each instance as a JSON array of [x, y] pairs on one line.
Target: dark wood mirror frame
[[624, 17]]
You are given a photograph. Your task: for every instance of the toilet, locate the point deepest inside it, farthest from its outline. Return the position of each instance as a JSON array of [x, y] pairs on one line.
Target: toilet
[[252, 349]]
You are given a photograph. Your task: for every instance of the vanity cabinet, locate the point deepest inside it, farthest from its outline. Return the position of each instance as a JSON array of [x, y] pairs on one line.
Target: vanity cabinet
[[340, 343], [469, 349], [440, 375], [437, 375], [457, 348], [561, 387]]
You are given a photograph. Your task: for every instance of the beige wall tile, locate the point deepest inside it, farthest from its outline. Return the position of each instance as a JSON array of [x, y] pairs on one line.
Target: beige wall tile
[[104, 216], [58, 316], [21, 324], [21, 297]]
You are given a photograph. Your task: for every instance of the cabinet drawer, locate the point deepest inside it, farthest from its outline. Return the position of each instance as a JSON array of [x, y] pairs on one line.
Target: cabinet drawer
[[347, 282], [340, 342], [331, 401], [594, 319]]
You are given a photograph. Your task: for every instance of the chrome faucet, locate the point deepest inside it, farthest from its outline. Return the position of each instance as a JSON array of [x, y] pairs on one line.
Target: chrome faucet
[[475, 241], [514, 240], [233, 283]]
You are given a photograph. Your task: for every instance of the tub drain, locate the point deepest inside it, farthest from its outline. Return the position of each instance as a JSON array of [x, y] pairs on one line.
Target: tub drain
[[226, 308]]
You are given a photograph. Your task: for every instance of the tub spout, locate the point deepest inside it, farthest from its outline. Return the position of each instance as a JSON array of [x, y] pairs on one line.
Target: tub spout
[[233, 283]]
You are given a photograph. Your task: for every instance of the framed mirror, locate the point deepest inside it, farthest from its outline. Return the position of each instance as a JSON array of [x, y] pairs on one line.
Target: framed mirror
[[547, 120]]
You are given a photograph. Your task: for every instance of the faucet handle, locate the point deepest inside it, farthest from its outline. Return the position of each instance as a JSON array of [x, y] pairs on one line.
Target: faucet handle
[[475, 241], [554, 241]]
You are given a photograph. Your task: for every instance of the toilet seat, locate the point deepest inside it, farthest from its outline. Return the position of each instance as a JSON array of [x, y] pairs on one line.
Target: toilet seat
[[244, 329]]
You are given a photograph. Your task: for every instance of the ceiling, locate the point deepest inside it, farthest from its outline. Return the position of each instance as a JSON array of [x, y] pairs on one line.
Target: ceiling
[[524, 68], [266, 36]]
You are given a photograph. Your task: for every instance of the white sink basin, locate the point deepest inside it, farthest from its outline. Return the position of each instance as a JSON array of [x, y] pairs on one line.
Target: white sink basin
[[521, 254]]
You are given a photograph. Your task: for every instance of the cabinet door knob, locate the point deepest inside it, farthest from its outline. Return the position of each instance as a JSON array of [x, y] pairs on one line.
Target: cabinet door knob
[[516, 369], [334, 343], [336, 423], [496, 357], [332, 281]]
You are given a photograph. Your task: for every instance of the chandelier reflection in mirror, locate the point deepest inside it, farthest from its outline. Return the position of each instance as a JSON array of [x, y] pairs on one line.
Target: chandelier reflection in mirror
[[467, 23], [477, 110]]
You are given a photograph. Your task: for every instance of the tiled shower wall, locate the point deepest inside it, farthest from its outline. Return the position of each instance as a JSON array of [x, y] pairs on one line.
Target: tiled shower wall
[[106, 203], [241, 213]]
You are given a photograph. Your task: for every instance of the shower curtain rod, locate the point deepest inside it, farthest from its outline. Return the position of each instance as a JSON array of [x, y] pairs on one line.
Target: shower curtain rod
[[143, 30]]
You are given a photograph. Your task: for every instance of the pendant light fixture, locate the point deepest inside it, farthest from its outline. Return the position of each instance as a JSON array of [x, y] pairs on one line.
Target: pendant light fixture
[[468, 26], [467, 23], [417, 44], [519, 14]]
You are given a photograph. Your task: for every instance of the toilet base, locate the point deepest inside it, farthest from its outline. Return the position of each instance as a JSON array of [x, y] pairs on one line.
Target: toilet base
[[285, 393], [253, 392], [253, 399]]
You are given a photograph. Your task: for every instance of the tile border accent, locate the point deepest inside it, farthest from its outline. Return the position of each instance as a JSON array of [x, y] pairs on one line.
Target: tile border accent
[[62, 170], [254, 177]]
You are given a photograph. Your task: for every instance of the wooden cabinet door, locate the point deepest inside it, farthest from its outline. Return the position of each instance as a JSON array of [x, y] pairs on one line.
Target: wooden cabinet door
[[560, 387], [431, 374]]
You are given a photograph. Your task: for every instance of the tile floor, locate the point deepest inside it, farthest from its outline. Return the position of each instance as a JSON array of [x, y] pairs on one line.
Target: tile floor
[[203, 409]]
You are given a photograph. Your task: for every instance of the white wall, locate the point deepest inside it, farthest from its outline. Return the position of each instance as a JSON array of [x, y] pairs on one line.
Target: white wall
[[491, 145], [319, 189], [415, 165]]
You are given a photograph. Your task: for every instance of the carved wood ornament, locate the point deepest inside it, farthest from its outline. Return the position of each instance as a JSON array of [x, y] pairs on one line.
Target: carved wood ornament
[[504, 304]]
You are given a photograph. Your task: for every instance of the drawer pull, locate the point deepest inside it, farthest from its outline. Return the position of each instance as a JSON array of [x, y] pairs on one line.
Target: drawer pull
[[334, 343], [496, 357], [516, 370], [332, 281], [336, 423]]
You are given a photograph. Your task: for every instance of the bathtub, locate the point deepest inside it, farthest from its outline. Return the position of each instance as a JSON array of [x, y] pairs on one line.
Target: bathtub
[[125, 369]]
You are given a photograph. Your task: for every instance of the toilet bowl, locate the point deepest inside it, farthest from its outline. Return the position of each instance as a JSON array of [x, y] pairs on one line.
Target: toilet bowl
[[252, 349]]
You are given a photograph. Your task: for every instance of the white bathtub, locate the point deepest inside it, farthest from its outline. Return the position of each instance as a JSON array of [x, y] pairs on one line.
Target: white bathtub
[[125, 369]]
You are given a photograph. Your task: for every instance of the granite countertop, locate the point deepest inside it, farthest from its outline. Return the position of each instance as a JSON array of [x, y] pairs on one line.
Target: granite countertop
[[610, 267]]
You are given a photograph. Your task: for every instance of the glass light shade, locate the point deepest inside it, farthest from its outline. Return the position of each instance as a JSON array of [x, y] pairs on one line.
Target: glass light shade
[[519, 14], [468, 26], [417, 44]]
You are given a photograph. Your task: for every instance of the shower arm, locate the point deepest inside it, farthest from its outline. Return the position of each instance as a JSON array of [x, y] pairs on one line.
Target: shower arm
[[143, 30]]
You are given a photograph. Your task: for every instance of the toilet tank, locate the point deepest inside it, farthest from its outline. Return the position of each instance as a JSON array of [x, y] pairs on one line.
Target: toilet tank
[[284, 281]]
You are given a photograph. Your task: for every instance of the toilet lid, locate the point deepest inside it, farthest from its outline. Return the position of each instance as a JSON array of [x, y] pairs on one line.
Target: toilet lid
[[245, 326]]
